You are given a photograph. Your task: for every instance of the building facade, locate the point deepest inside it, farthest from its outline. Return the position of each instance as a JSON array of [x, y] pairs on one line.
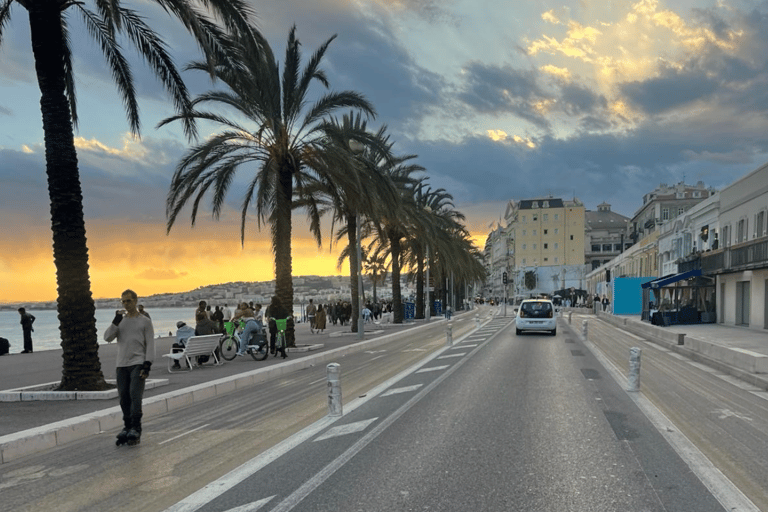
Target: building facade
[[605, 235], [664, 204], [740, 263]]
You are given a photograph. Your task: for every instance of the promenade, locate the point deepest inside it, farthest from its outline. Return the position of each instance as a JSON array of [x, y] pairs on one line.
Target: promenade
[[31, 426]]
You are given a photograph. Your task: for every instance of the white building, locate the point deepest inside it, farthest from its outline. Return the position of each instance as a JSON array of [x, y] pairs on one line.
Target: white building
[[741, 263], [696, 230]]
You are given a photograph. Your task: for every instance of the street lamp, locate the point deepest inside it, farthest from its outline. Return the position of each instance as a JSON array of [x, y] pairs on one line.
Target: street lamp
[[357, 148], [429, 305]]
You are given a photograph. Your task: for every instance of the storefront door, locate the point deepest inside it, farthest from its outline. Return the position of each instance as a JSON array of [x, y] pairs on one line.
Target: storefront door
[[742, 303]]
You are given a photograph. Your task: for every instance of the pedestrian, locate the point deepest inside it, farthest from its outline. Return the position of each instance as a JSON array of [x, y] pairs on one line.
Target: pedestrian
[[183, 333], [605, 302], [226, 313], [142, 312], [135, 353], [366, 314], [27, 319], [218, 319], [201, 306], [311, 312], [320, 319]]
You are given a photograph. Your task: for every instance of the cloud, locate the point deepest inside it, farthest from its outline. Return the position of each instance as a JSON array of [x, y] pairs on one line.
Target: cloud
[[156, 274], [672, 89]]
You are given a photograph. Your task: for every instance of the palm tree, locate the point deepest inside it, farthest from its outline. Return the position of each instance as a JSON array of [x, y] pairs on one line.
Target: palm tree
[[284, 144], [377, 265], [108, 23]]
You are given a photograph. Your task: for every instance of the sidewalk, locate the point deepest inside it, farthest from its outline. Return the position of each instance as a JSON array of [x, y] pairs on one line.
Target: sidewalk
[[30, 426]]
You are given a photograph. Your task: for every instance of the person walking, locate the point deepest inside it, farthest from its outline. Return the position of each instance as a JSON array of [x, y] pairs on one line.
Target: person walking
[[226, 313], [606, 302], [141, 311], [27, 319], [135, 352], [320, 319], [311, 313]]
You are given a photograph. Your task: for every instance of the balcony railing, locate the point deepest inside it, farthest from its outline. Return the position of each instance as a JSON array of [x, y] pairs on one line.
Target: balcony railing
[[745, 256]]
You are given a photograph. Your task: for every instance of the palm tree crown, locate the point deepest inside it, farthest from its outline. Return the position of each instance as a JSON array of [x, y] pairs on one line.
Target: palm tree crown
[[283, 142]]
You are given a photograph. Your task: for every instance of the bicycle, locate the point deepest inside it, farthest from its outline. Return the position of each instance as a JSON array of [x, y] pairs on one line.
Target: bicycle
[[230, 344], [280, 342]]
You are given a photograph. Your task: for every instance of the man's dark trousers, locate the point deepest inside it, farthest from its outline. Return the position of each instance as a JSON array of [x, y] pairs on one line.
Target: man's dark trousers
[[130, 388]]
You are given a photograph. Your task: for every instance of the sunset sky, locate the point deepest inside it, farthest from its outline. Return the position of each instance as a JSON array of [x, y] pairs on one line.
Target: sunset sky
[[501, 100]]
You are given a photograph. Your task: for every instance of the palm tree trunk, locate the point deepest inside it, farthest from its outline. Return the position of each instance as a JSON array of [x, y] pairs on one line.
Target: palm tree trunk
[[397, 300], [77, 321], [419, 284], [353, 266], [281, 242]]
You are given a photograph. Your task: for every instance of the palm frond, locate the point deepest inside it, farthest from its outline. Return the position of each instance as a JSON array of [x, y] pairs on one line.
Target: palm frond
[[69, 72], [5, 16], [121, 71]]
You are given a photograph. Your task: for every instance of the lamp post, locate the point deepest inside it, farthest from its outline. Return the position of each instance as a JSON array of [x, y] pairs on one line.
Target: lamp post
[[429, 305]]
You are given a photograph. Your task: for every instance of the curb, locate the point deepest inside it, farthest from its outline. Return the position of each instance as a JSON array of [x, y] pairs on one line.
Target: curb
[[27, 442]]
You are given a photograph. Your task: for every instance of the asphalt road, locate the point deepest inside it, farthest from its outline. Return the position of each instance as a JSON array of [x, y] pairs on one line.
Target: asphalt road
[[497, 422]]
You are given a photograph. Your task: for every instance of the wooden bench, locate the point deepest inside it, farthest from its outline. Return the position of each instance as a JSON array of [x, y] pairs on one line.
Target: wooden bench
[[196, 346]]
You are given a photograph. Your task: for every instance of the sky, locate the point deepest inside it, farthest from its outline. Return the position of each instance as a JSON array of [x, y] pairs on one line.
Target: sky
[[598, 100]]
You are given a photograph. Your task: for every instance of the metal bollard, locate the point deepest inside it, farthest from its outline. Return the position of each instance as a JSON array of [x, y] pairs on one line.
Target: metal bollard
[[584, 328], [333, 373], [570, 316], [633, 378], [477, 320], [449, 335]]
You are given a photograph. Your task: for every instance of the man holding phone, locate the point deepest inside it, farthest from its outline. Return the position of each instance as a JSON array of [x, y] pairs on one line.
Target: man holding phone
[[135, 353]]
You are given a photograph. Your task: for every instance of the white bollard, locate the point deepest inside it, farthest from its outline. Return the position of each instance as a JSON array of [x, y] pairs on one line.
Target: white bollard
[[633, 378], [570, 317], [333, 373], [449, 335], [477, 320], [584, 328]]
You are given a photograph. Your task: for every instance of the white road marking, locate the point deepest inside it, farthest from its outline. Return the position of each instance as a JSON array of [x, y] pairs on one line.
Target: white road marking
[[183, 434], [462, 345], [433, 369], [374, 351], [405, 389], [343, 430], [725, 413], [415, 350], [252, 507], [460, 354], [760, 394]]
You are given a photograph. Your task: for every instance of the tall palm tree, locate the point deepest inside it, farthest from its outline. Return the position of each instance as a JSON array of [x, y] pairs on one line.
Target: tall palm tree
[[368, 195], [109, 23], [377, 265], [283, 143], [393, 226]]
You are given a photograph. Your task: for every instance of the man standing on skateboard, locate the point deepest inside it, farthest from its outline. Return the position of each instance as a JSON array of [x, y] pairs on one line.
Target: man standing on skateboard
[[135, 353]]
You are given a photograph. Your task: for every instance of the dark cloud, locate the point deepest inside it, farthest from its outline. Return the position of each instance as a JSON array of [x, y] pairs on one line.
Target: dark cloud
[[673, 89]]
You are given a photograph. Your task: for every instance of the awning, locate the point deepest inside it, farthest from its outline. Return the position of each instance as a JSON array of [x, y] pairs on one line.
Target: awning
[[671, 278]]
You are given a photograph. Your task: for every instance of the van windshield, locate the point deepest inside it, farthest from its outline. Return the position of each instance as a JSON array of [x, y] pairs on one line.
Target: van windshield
[[537, 309]]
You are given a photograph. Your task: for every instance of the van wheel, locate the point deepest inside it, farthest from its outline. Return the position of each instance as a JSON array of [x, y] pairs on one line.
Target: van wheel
[[554, 332], [518, 332]]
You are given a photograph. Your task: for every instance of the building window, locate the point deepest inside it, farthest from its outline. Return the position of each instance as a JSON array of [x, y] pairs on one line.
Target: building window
[[546, 259], [680, 210], [617, 247], [665, 214], [546, 216], [595, 247], [546, 246], [741, 231], [556, 246], [556, 260], [535, 204], [535, 218], [606, 247], [557, 216], [546, 205], [546, 231], [557, 231], [760, 224], [697, 194], [571, 237], [523, 246]]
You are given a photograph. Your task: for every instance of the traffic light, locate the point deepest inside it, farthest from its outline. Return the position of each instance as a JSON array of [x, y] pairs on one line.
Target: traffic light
[[504, 278]]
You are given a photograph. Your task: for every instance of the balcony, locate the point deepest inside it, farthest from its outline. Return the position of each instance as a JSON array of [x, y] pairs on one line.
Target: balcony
[[745, 256]]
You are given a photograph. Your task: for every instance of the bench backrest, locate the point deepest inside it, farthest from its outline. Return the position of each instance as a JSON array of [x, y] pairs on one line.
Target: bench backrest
[[202, 345]]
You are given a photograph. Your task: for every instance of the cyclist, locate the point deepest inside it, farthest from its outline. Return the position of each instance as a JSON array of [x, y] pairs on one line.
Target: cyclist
[[276, 310], [246, 314]]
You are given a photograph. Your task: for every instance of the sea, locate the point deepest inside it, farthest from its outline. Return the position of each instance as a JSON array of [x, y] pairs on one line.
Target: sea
[[47, 337]]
